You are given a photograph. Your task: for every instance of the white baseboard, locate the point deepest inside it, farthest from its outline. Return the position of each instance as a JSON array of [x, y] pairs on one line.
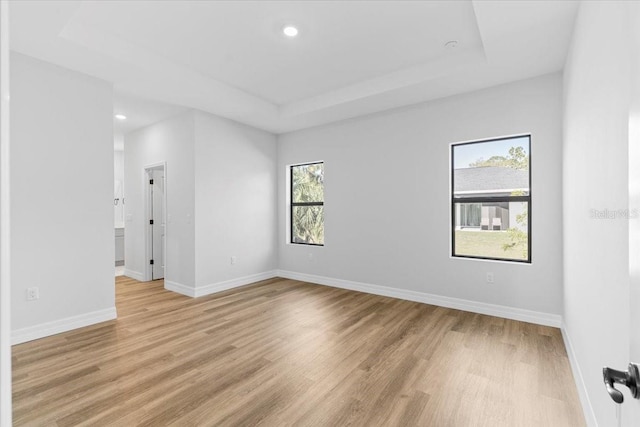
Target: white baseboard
[[233, 283], [587, 409], [523, 315], [179, 288], [31, 333], [217, 287], [134, 274]]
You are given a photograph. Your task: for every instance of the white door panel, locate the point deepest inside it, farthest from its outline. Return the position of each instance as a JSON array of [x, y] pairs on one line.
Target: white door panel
[[631, 408], [158, 227]]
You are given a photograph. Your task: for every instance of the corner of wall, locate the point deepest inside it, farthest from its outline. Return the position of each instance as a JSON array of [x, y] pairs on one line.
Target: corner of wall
[[578, 378], [179, 288]]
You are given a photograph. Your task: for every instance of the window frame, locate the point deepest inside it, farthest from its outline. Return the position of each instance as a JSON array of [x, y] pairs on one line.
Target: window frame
[[489, 199], [293, 204]]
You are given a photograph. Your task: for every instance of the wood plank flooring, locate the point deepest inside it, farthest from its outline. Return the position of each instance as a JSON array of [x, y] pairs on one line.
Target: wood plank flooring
[[287, 353]]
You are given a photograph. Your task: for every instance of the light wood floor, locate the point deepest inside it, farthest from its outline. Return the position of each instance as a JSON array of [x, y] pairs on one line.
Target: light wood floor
[[283, 352]]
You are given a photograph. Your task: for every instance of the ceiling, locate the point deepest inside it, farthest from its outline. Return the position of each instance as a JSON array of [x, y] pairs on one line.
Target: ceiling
[[351, 58], [139, 112]]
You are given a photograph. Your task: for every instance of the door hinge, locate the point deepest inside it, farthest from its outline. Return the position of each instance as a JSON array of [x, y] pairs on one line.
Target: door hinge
[[151, 221], [151, 261], [150, 182]]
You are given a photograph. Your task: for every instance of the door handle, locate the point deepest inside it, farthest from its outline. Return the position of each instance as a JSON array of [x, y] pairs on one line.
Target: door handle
[[629, 378]]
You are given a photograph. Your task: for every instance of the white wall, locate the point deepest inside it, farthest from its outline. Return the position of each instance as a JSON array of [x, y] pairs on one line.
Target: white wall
[[61, 197], [596, 258], [387, 217], [170, 141], [221, 192], [5, 264], [235, 200]]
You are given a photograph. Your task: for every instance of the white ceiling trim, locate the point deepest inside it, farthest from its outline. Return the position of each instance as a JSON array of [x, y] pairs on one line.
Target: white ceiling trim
[[240, 105], [387, 83], [154, 75], [515, 40]]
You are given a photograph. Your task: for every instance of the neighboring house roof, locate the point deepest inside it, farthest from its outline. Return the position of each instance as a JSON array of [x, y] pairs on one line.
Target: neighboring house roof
[[490, 179]]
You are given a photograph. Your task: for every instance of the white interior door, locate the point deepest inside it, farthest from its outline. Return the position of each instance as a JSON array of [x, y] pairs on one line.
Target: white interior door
[[631, 407], [157, 223], [629, 412]]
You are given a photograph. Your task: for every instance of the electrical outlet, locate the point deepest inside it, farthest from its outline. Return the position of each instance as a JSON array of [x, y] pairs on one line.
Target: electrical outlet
[[234, 260], [489, 277], [33, 293], [310, 256]]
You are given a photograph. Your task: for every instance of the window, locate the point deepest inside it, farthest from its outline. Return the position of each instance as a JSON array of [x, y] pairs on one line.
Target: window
[[491, 199], [307, 204]]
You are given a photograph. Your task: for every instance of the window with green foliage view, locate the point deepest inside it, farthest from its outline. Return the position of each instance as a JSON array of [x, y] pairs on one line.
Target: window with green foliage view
[[307, 204], [491, 199]]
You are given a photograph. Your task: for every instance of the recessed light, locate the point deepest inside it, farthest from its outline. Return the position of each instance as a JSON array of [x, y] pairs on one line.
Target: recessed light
[[121, 117], [290, 31], [451, 44]]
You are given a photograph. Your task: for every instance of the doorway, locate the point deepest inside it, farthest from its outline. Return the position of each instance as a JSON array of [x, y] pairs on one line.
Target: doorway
[[155, 184]]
